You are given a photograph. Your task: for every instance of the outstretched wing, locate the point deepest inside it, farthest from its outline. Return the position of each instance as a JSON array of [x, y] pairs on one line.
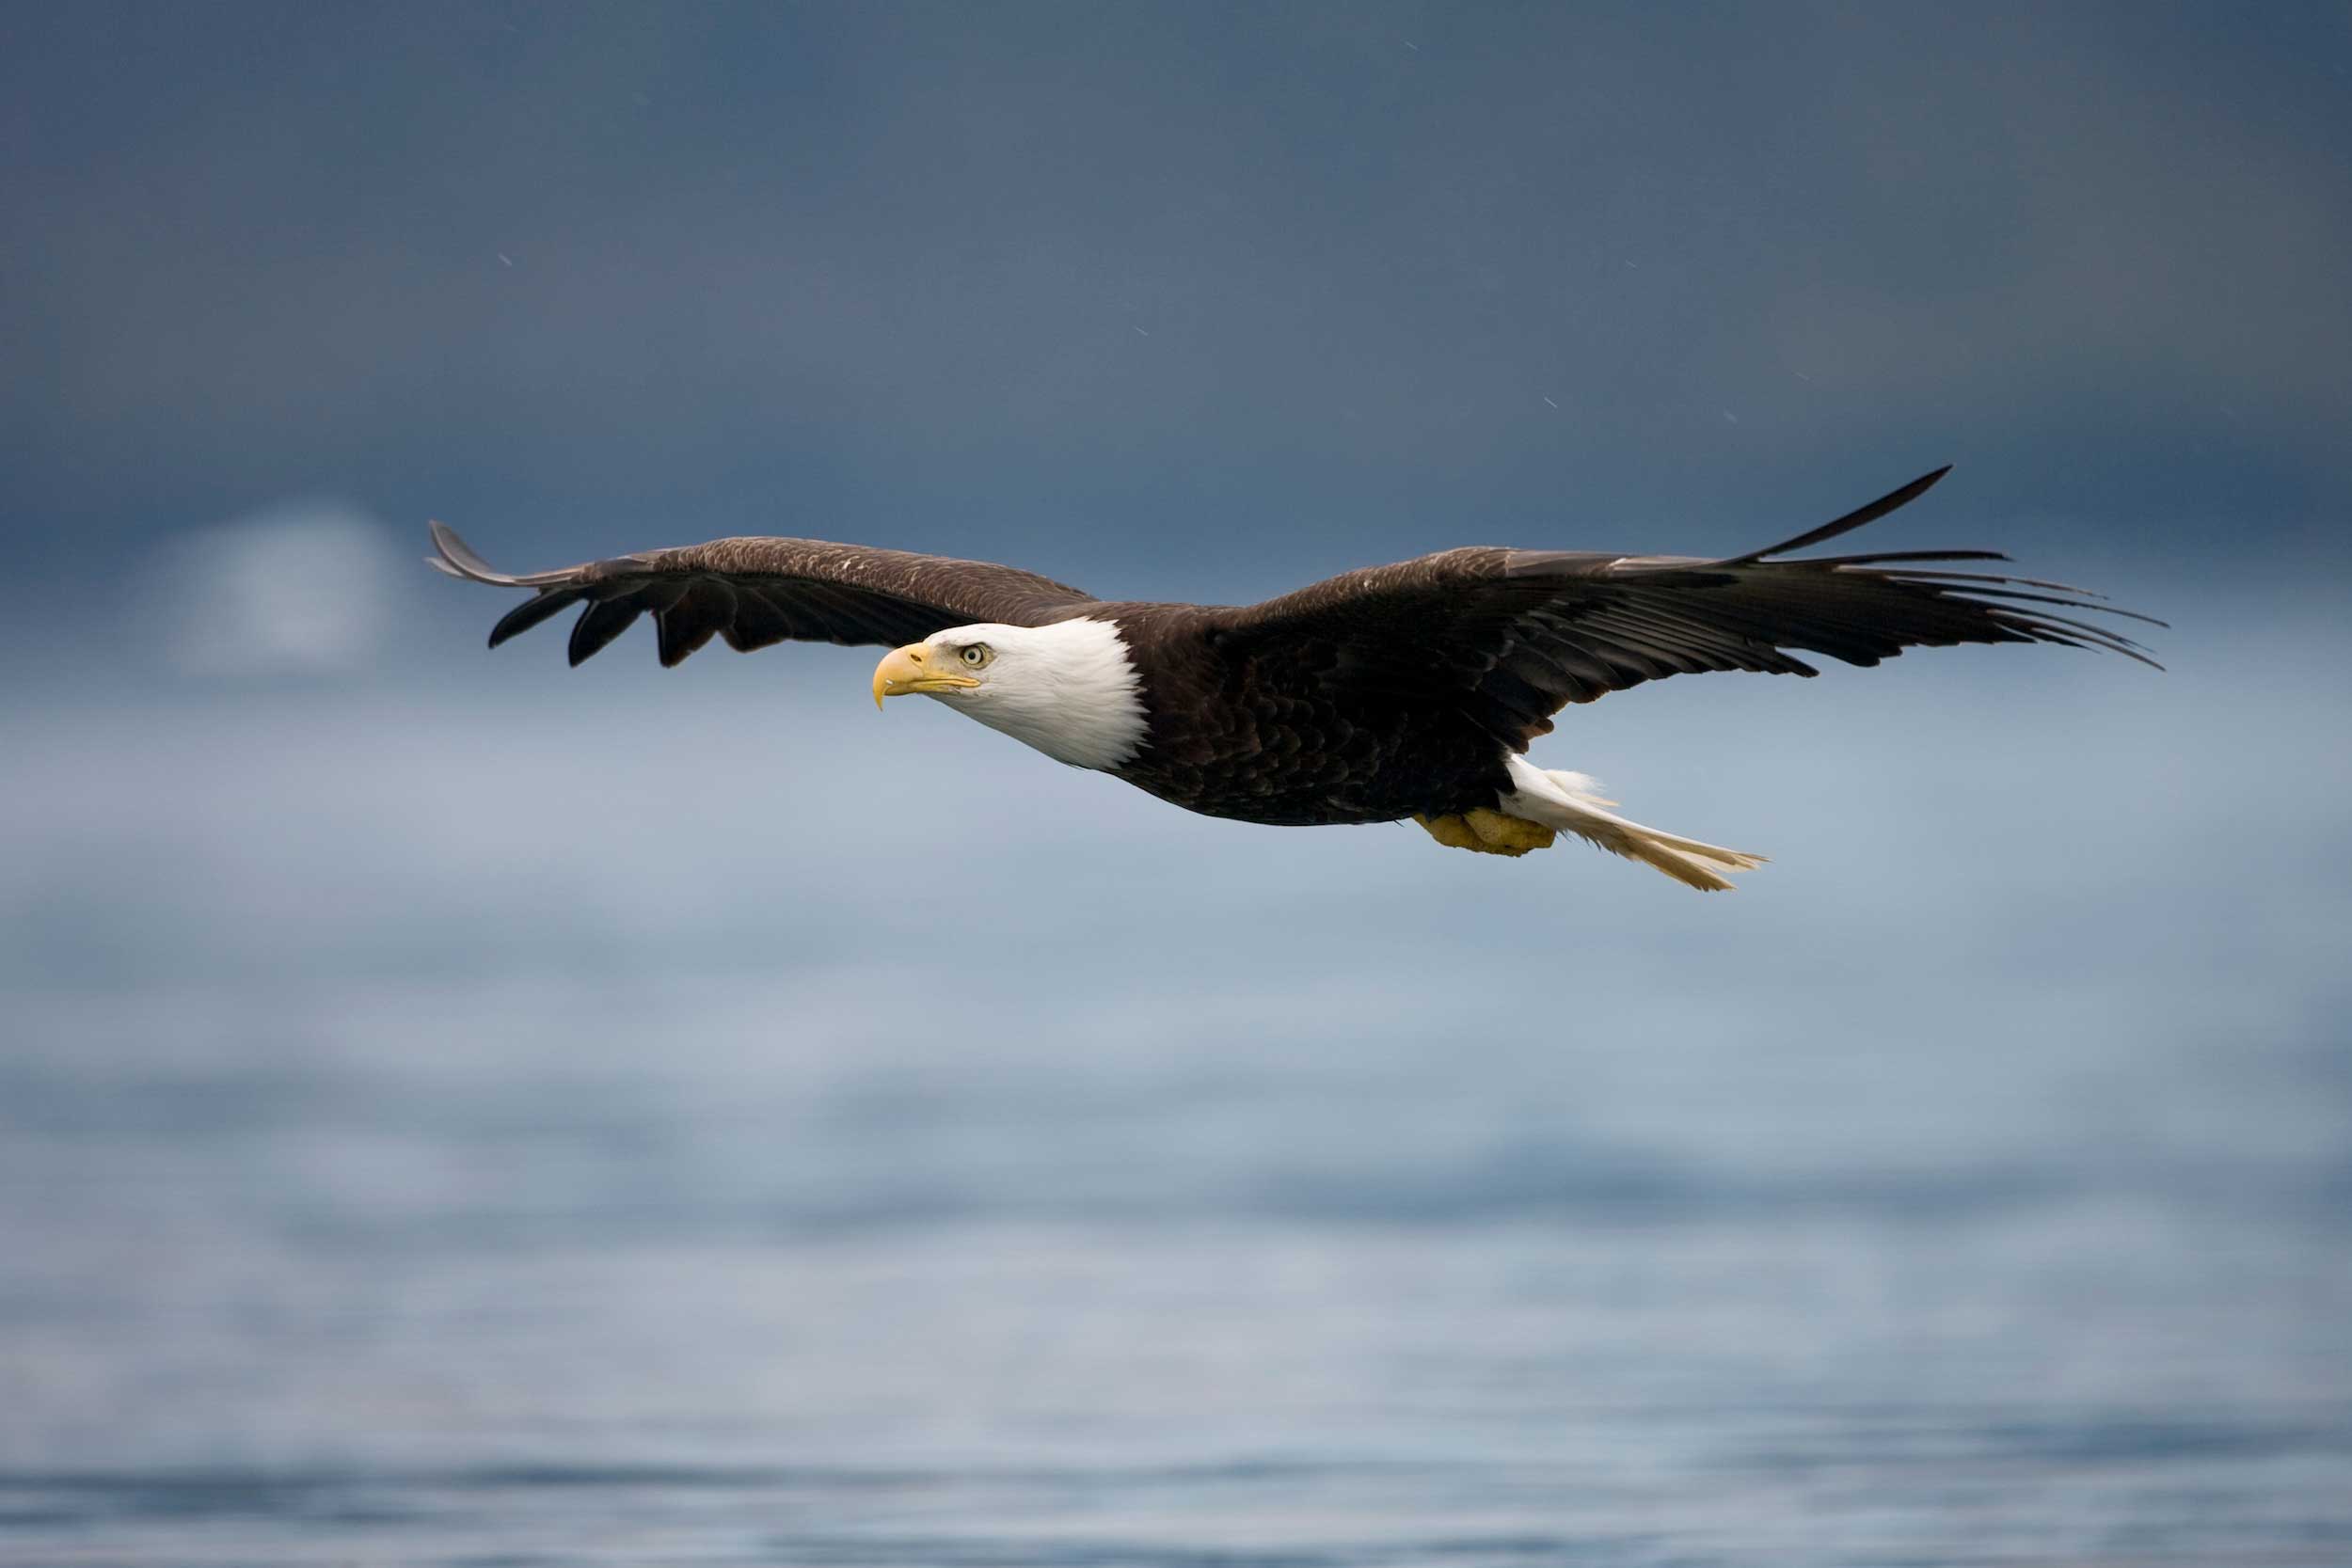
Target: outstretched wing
[[1510, 637], [757, 592]]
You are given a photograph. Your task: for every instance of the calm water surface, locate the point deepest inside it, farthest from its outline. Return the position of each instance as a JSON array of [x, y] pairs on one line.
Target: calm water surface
[[372, 1277]]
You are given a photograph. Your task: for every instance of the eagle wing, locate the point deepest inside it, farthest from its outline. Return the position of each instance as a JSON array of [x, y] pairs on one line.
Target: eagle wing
[[757, 591], [1510, 637]]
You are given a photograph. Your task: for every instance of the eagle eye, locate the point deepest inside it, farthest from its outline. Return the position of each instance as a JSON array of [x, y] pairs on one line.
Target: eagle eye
[[975, 655]]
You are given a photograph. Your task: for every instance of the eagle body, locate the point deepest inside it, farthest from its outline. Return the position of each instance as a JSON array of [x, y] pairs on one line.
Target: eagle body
[[1411, 690], [1250, 733]]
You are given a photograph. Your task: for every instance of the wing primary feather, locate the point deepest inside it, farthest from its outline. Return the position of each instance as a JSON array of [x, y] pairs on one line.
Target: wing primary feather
[[1824, 631], [1882, 558], [1852, 520], [460, 558], [524, 616], [2040, 621], [2042, 630], [597, 626], [462, 562], [1987, 593], [2022, 582]]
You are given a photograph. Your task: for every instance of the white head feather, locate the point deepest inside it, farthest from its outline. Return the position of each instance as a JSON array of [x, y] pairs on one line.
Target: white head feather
[[1069, 689]]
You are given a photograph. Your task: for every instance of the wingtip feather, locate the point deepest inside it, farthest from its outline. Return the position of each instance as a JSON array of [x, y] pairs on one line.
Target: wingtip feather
[[1893, 500], [461, 560]]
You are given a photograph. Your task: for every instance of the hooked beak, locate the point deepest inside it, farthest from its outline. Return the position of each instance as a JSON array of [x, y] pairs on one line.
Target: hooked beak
[[912, 669]]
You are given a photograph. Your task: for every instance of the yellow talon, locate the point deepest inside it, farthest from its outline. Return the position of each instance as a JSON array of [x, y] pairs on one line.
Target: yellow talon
[[1487, 833], [1449, 831]]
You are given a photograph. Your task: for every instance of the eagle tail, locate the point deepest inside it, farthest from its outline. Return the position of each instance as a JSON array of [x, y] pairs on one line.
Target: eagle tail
[[1567, 802]]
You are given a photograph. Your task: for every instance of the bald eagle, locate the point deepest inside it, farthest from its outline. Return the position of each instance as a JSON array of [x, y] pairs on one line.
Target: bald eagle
[[1408, 691]]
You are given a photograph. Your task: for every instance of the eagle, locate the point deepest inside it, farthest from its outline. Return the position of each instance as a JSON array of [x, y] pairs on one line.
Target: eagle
[[1411, 690]]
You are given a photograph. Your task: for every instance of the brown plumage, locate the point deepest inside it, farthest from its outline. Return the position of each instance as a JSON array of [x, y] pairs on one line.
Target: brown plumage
[[1395, 692], [758, 592]]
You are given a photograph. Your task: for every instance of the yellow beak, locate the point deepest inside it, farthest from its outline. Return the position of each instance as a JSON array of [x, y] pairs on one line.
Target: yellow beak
[[911, 669]]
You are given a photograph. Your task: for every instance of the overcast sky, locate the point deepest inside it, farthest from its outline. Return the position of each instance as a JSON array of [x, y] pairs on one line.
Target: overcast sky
[[1183, 300]]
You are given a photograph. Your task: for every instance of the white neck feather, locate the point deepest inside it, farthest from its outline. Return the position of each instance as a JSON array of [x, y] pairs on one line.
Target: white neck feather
[[1069, 689]]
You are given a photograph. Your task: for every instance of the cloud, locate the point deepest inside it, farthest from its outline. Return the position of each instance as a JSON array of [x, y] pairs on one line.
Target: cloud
[[303, 587]]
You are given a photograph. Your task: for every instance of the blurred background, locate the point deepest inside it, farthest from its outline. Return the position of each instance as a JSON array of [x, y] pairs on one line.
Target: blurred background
[[458, 1109]]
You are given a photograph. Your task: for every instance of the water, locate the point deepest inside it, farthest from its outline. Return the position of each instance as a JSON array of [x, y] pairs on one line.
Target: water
[[623, 1299], [419, 1147]]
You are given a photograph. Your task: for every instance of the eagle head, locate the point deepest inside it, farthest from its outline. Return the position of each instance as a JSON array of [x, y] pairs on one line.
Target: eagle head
[[1071, 689]]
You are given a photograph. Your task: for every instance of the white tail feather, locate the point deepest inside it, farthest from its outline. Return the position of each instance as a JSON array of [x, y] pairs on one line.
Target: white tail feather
[[1569, 803]]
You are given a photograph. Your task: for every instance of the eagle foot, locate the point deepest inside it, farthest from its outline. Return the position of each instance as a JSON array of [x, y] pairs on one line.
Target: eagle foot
[[1487, 833]]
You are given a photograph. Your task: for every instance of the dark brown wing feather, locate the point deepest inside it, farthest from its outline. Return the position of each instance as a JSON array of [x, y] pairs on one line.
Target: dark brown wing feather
[[758, 592], [1510, 637]]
